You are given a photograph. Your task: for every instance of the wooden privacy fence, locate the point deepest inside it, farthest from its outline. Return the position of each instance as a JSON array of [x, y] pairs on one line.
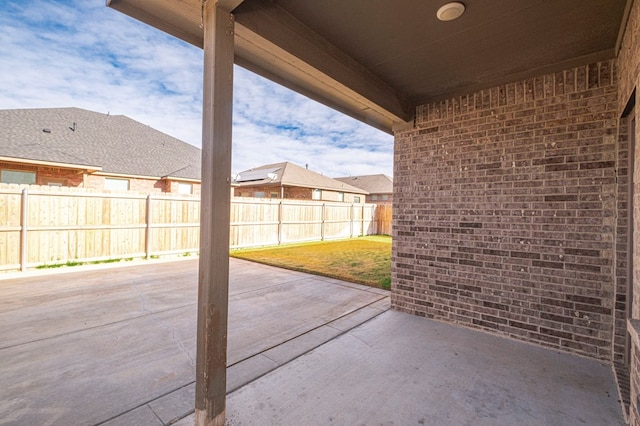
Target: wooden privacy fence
[[51, 226], [384, 219], [258, 222], [41, 225]]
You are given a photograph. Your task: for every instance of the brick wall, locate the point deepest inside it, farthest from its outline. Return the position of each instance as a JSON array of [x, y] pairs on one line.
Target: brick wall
[[619, 343], [634, 413], [47, 175], [298, 193], [79, 179], [140, 185], [379, 199], [293, 193], [249, 191], [505, 204], [629, 81], [172, 186]]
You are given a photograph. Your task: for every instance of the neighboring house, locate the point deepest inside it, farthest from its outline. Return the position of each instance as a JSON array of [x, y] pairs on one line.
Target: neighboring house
[[287, 180], [379, 187], [79, 148]]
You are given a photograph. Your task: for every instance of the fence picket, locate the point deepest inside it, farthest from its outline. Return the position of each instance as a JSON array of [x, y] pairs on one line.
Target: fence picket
[[73, 224]]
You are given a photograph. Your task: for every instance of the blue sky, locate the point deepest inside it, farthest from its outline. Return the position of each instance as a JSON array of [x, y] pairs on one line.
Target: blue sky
[[63, 53]]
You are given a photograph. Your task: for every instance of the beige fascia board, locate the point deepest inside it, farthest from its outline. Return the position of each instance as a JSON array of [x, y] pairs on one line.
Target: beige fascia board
[[180, 179], [50, 164], [273, 44], [180, 18], [351, 190], [228, 5], [126, 176], [338, 101]]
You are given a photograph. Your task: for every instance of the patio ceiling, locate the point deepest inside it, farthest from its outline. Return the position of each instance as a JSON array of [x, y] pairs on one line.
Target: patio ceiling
[[377, 60]]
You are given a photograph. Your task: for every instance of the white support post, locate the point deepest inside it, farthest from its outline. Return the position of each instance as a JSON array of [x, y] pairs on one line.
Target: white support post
[[213, 277]]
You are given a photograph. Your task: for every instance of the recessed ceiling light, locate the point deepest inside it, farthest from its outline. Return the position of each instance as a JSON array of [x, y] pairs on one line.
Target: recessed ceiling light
[[450, 11]]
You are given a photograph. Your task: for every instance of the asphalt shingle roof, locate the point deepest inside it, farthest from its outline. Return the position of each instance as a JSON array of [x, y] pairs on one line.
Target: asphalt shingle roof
[[289, 174], [373, 184], [115, 143]]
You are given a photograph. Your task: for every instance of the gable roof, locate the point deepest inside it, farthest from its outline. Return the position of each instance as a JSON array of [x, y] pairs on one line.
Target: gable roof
[[373, 184], [112, 143], [289, 174]]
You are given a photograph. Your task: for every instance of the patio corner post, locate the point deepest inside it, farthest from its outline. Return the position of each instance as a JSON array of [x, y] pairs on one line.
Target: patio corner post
[[213, 277]]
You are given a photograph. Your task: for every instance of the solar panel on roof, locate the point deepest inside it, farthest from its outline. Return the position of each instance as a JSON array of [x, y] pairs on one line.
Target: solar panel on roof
[[253, 175]]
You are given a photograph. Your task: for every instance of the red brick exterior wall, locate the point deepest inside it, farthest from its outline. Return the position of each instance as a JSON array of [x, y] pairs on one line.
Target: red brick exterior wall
[[249, 191], [379, 199], [146, 186], [293, 193], [46, 175], [78, 178], [172, 187], [629, 81], [505, 210]]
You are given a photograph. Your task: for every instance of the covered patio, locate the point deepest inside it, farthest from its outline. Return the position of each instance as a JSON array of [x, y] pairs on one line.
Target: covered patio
[[116, 346], [514, 166]]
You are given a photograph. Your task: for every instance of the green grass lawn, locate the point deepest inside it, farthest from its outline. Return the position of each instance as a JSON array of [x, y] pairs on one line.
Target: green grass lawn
[[363, 260]]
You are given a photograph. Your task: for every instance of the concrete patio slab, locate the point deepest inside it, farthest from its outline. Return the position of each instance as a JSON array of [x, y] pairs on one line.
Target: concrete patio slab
[[117, 346], [401, 369]]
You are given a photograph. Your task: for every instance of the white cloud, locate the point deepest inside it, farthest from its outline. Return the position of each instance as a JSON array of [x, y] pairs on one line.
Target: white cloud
[[80, 53]]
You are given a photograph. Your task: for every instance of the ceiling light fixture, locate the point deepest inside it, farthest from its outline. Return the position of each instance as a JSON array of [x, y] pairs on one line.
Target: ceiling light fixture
[[450, 11]]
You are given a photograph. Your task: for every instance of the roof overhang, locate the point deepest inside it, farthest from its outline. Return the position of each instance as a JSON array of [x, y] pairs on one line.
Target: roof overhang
[[180, 179], [311, 66], [81, 167], [377, 61], [134, 176], [349, 190]]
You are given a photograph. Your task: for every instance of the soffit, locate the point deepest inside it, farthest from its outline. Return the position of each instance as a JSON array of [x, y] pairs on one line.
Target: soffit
[[376, 60]]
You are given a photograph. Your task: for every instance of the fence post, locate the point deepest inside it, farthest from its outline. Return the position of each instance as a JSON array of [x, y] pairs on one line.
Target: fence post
[[147, 230], [324, 212], [24, 219], [362, 222], [351, 217], [280, 222]]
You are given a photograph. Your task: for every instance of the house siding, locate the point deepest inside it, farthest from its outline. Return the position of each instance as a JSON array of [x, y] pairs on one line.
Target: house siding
[[505, 210]]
